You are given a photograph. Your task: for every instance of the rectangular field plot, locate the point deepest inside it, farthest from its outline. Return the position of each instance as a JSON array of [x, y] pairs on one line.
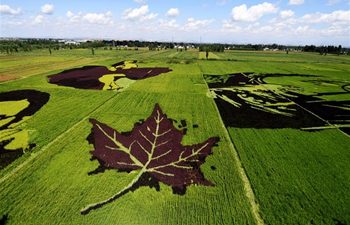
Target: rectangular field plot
[[296, 129], [52, 185], [167, 137], [299, 177]]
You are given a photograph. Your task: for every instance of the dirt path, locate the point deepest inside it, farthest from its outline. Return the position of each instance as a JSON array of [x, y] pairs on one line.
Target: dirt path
[[7, 78]]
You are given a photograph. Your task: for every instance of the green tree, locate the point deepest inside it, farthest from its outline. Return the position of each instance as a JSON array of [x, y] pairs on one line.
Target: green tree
[[339, 49]]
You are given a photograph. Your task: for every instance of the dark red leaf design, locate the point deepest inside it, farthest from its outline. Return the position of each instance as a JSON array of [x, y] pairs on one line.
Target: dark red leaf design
[[153, 147]]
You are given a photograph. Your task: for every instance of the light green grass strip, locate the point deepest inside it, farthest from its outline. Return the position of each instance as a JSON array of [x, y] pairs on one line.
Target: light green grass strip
[[202, 55], [247, 186]]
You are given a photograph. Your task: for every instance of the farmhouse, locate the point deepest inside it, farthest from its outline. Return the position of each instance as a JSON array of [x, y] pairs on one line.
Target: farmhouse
[[72, 43]]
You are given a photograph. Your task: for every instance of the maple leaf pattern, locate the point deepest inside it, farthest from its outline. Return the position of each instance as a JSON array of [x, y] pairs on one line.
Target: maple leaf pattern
[[153, 147]]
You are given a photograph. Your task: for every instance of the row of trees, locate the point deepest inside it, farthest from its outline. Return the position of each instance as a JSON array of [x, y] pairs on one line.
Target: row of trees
[[16, 45], [325, 49], [212, 47]]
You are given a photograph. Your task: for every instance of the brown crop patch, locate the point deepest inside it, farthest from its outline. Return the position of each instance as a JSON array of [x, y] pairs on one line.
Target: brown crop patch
[[17, 106], [154, 149], [7, 78], [247, 101], [101, 78]]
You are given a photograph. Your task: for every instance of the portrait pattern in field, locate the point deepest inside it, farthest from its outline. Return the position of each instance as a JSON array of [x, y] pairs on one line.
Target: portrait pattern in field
[[15, 108], [119, 77], [247, 100]]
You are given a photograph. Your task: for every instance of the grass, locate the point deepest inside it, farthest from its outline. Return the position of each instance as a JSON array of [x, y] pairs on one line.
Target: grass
[[211, 55], [54, 185], [296, 176]]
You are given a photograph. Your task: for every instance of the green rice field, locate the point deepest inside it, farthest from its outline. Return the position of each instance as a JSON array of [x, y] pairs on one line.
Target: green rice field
[[282, 155]]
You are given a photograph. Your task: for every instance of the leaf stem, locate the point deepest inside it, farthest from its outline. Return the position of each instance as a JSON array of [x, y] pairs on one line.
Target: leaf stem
[[128, 188]]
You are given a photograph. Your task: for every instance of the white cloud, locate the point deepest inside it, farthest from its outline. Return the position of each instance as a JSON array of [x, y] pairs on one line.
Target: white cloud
[[38, 20], [301, 29], [242, 13], [134, 14], [227, 27], [109, 14], [286, 14], [168, 25], [149, 17], [173, 12], [192, 24], [296, 2], [69, 14], [266, 29], [332, 2], [223, 2], [338, 17], [98, 18], [47, 9], [74, 18], [7, 10], [138, 14], [245, 25], [335, 31]]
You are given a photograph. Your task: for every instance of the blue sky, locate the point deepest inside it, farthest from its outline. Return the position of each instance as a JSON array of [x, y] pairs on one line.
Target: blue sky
[[297, 22]]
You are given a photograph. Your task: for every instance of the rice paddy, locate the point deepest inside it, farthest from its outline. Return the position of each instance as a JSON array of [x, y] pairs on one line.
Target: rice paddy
[[281, 123]]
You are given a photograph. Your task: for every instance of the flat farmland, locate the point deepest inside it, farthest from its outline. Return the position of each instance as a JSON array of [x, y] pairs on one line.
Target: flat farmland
[[292, 171]]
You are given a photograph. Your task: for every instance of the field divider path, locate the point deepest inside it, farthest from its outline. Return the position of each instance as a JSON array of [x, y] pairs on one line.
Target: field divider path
[[47, 146], [255, 208]]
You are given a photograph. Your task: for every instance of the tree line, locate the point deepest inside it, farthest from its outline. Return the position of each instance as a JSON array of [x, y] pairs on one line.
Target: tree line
[[17, 45], [325, 49]]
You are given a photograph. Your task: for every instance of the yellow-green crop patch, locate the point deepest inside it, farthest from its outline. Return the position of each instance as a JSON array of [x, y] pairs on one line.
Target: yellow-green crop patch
[[15, 108], [211, 55]]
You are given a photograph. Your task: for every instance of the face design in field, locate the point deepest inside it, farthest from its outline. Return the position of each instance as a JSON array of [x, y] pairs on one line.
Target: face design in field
[[15, 108], [119, 77], [247, 100]]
